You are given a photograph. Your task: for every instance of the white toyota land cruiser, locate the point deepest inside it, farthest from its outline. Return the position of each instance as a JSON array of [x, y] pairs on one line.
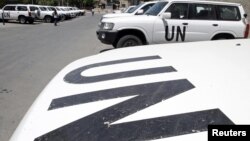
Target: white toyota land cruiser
[[42, 13], [21, 13], [176, 21]]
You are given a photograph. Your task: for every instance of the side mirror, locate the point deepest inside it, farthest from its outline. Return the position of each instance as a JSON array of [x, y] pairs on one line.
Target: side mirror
[[140, 12], [245, 15], [166, 15]]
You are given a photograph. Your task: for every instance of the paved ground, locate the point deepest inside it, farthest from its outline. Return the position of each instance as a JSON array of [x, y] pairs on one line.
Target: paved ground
[[30, 55]]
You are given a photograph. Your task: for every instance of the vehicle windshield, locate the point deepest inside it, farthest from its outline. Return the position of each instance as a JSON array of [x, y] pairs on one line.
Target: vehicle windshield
[[156, 9], [127, 9], [58, 9], [135, 8]]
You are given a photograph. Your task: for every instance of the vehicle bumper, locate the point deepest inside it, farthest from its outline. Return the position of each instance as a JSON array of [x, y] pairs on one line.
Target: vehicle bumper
[[106, 37]]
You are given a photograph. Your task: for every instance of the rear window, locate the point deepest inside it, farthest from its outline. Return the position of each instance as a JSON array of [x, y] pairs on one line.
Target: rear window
[[22, 8], [230, 13], [9, 8]]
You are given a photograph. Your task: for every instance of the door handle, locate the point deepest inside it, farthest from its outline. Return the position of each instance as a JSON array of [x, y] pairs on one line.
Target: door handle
[[185, 23], [215, 25]]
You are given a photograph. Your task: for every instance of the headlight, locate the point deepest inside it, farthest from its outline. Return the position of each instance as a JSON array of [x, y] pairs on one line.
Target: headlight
[[107, 26]]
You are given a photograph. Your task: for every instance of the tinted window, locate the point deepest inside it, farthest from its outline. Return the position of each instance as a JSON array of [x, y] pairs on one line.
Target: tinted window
[[178, 10], [156, 9], [10, 8], [32, 8], [228, 13], [22, 8], [202, 12]]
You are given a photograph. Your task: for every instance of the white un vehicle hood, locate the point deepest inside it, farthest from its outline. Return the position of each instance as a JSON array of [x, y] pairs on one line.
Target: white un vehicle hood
[[113, 15], [161, 92]]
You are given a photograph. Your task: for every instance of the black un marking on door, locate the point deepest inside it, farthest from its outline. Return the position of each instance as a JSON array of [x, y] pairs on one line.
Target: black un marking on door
[[98, 126], [6, 14], [179, 33]]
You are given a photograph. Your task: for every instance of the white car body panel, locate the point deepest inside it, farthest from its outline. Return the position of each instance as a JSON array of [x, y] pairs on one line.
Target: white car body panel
[[218, 70]]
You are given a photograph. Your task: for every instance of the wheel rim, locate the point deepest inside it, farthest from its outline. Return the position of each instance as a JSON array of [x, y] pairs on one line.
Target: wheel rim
[[22, 20], [48, 20], [130, 42]]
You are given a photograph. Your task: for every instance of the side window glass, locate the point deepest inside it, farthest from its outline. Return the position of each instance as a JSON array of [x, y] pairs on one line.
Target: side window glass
[[9, 8], [22, 8], [6, 8], [178, 10], [230, 13], [202, 12]]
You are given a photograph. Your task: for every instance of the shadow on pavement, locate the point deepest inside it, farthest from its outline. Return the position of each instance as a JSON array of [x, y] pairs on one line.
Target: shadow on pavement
[[104, 50]]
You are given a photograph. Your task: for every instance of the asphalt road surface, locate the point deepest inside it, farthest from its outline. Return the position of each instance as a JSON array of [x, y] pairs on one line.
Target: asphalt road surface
[[31, 55]]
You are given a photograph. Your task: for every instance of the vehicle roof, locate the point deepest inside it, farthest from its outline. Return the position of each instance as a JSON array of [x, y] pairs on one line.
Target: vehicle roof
[[16, 5], [205, 80], [204, 1]]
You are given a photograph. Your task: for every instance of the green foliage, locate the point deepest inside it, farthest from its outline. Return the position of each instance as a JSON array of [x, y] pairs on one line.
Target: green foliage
[[88, 3]]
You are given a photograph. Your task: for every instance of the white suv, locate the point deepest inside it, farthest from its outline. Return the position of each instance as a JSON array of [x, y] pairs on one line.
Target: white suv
[[19, 12], [42, 13], [177, 21]]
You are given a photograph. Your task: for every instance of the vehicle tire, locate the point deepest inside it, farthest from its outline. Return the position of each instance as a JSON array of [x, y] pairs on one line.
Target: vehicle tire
[[63, 17], [128, 40], [47, 19], [22, 19]]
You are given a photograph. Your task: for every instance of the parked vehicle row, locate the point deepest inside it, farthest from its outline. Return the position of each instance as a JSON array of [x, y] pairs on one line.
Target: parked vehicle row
[[175, 21], [29, 13]]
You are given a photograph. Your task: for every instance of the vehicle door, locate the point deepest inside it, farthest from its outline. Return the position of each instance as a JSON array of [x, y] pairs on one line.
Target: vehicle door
[[174, 28], [22, 10], [202, 22], [9, 12]]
